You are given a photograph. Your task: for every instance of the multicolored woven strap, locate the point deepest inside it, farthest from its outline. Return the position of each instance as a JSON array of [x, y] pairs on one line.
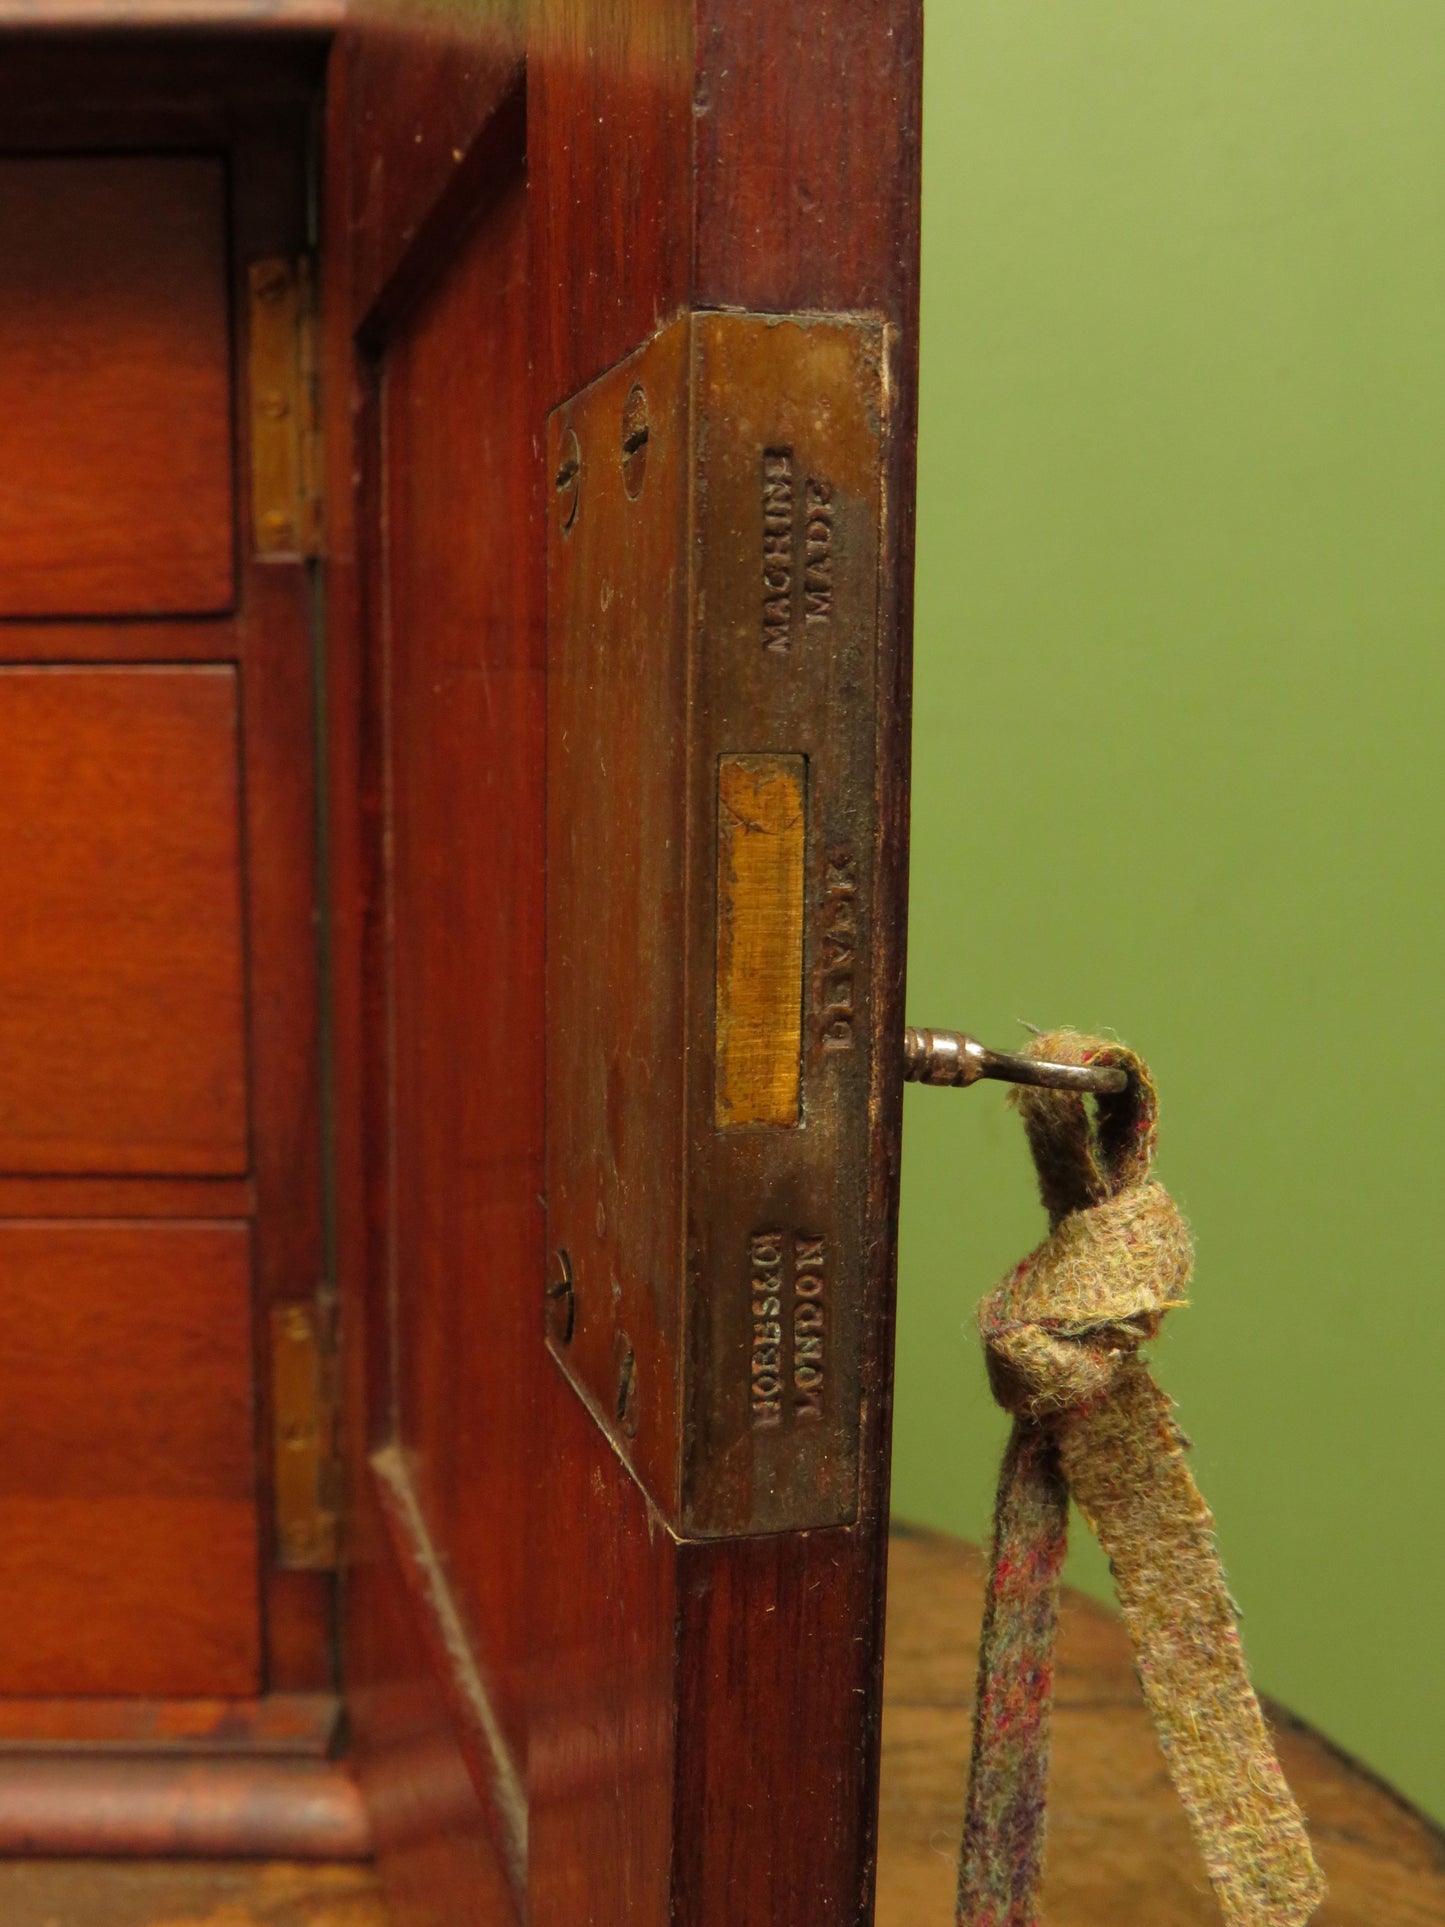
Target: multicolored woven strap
[[1062, 1335]]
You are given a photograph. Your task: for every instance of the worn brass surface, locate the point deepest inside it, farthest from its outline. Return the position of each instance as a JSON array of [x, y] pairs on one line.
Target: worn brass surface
[[713, 595], [282, 396], [303, 1404], [761, 825]]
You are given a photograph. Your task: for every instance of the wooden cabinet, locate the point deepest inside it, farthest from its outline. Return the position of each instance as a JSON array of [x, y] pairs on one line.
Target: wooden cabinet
[[424, 1031], [160, 1070]]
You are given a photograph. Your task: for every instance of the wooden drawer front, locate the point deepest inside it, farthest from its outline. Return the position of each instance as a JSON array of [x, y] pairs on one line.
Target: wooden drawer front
[[122, 1024], [115, 387], [128, 1525]]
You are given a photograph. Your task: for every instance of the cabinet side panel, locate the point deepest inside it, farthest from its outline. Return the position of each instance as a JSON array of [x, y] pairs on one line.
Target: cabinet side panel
[[460, 1139]]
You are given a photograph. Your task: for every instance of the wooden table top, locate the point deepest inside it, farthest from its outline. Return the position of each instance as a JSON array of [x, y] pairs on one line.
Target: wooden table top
[[1120, 1852], [180, 1893]]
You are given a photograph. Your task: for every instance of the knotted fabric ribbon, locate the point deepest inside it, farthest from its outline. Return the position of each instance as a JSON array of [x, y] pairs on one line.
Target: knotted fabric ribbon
[[1062, 1335]]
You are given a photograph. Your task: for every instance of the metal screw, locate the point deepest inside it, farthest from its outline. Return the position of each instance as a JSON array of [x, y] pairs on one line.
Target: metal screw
[[635, 436], [562, 1301], [299, 1542], [569, 479], [626, 1404], [270, 281]]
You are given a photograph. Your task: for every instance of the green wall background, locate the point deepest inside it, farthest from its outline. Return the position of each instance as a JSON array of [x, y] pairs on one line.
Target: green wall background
[[1180, 751]]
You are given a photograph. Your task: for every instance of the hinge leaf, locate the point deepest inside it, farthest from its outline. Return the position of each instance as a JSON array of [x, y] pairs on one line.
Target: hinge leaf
[[304, 1412], [283, 410]]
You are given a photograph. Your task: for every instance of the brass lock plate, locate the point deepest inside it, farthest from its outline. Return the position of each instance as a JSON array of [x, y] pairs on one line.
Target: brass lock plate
[[714, 538]]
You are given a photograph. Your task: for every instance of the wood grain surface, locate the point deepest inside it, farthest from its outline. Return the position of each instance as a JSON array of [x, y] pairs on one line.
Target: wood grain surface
[[115, 386], [168, 639], [106, 1893], [1119, 1850], [85, 1805], [435, 103], [276, 1726], [122, 1018], [463, 693], [128, 1527]]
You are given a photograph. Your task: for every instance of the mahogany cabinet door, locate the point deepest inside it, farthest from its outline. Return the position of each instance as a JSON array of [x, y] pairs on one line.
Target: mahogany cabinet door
[[620, 305]]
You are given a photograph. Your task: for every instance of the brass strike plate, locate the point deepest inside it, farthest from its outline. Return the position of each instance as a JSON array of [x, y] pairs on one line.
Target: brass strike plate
[[285, 451], [713, 596], [304, 1415]]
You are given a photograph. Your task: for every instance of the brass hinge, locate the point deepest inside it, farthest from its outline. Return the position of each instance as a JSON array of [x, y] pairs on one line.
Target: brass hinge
[[284, 411], [305, 1411]]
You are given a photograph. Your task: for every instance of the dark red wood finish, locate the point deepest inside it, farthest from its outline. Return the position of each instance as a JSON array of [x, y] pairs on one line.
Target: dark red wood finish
[[463, 677], [428, 118], [122, 1051], [224, 1808], [692, 1728], [122, 260], [130, 1472]]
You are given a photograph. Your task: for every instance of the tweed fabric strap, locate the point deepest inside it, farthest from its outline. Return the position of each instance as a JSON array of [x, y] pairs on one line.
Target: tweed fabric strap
[[1062, 1335]]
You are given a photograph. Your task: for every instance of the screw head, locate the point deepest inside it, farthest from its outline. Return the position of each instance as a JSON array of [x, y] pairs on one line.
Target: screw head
[[270, 281], [636, 433], [625, 1360], [298, 1542], [568, 480], [561, 1299]]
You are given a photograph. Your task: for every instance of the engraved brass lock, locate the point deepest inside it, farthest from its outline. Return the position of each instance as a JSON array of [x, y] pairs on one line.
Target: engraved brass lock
[[717, 536]]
